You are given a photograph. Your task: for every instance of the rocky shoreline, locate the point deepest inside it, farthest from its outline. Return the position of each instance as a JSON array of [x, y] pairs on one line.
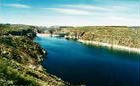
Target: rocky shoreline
[[115, 37], [96, 43], [115, 47]]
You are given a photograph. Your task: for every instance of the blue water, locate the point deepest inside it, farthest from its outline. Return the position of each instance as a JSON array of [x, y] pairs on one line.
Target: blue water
[[77, 63]]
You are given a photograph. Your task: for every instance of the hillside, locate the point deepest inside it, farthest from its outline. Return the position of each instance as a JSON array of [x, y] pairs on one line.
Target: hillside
[[20, 58], [115, 35]]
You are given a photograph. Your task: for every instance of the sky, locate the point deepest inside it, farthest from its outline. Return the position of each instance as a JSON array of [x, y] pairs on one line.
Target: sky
[[71, 12]]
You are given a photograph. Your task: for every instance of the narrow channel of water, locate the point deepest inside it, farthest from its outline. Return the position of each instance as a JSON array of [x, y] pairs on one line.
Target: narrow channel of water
[[94, 66]]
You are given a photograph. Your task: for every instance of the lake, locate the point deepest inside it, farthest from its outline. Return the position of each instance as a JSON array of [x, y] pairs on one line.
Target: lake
[[78, 63]]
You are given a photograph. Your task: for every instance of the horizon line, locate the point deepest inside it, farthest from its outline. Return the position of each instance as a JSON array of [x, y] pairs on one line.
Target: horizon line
[[71, 25]]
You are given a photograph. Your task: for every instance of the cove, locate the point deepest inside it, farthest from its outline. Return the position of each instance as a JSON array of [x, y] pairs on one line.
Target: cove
[[77, 63]]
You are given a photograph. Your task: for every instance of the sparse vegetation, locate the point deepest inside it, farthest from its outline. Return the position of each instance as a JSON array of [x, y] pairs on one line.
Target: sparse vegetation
[[20, 58], [118, 35]]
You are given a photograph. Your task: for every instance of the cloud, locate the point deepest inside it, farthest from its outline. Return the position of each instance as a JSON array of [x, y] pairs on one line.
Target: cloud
[[111, 8], [17, 5], [72, 20], [88, 7], [70, 11], [75, 14], [83, 9]]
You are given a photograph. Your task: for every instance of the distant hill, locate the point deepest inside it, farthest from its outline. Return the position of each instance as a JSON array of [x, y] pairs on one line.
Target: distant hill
[[115, 35]]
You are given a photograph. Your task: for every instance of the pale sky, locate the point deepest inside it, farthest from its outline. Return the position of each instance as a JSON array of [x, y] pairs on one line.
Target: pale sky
[[71, 12]]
